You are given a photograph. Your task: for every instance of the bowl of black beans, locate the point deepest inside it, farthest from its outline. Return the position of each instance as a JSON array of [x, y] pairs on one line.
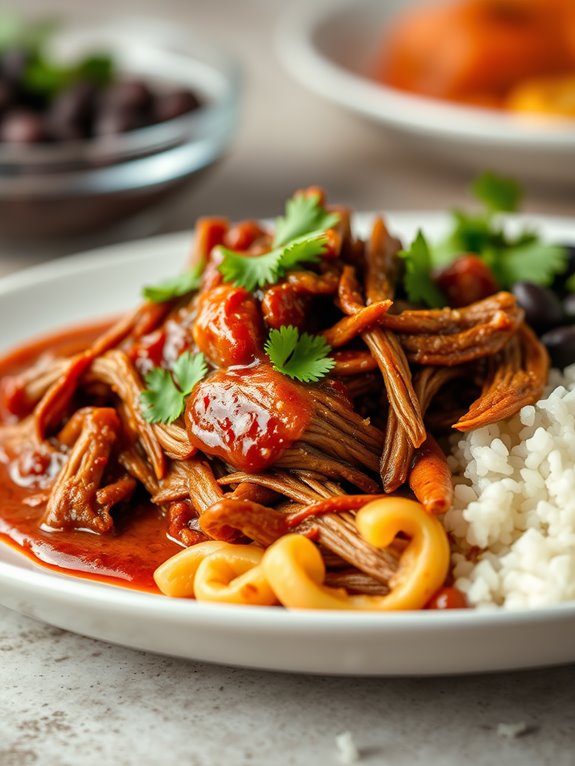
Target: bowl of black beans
[[102, 122]]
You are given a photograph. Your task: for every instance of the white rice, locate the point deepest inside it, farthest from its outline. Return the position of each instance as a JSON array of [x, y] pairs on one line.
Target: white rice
[[513, 519]]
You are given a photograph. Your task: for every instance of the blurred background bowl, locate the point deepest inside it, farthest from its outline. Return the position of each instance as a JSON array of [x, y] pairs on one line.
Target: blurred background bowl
[[331, 49], [72, 189]]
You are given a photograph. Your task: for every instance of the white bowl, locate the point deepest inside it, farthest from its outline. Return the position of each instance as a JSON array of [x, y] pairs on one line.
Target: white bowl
[[330, 49]]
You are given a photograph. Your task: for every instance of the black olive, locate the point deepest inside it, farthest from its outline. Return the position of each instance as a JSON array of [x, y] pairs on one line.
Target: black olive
[[560, 344], [174, 104], [20, 126], [543, 309]]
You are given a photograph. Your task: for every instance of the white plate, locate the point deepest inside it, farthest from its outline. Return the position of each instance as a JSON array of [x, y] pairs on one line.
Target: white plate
[[331, 47], [105, 282]]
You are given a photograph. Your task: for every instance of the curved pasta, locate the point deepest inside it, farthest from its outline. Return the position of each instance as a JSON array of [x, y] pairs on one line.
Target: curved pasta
[[295, 569], [233, 575], [176, 576]]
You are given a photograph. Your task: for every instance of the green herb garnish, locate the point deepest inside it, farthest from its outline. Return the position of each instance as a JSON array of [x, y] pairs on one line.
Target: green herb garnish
[[304, 214], [43, 75], [299, 239], [164, 398], [174, 287], [260, 270], [511, 258], [46, 77], [418, 283], [303, 357], [500, 195]]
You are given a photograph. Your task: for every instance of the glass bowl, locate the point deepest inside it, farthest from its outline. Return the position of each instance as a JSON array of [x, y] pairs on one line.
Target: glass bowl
[[74, 188]]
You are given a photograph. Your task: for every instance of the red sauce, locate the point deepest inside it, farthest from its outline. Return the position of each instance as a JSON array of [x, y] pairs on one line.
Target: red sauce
[[247, 416], [129, 556], [162, 347]]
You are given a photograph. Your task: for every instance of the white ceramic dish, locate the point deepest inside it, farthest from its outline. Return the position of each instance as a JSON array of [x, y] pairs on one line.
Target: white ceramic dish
[[330, 47], [62, 292]]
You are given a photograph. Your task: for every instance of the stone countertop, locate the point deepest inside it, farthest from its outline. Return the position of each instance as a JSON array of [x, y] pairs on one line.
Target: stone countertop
[[71, 701]]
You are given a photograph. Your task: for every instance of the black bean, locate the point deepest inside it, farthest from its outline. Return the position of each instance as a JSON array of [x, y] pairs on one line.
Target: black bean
[[558, 285], [6, 95], [22, 127], [128, 95], [560, 344], [543, 309], [569, 306], [112, 121], [70, 114], [174, 104], [13, 64]]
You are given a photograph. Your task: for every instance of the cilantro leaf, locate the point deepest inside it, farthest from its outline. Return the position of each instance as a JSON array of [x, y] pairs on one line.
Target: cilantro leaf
[[259, 270], [535, 262], [570, 284], [302, 357], [249, 271], [418, 283], [499, 195], [470, 234], [189, 369], [164, 398], [45, 77], [175, 287], [302, 250], [161, 401], [98, 68], [304, 214]]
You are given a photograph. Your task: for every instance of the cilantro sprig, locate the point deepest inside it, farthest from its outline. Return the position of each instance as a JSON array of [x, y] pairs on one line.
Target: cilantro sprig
[[174, 287], [303, 357], [510, 257], [260, 270], [300, 239], [304, 214], [164, 398]]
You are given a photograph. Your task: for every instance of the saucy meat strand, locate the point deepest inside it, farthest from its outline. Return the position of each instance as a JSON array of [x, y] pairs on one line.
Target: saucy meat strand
[[77, 501], [516, 377]]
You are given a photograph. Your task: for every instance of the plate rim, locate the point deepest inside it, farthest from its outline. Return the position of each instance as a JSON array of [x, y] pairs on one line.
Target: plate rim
[[129, 600]]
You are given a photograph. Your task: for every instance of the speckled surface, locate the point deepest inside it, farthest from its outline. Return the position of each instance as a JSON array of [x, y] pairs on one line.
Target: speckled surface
[[70, 701], [66, 700]]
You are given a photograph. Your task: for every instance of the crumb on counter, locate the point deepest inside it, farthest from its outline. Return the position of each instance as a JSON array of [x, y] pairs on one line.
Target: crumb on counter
[[347, 749]]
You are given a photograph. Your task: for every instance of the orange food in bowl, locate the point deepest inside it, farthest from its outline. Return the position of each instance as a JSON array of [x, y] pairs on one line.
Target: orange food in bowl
[[552, 95], [477, 51]]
